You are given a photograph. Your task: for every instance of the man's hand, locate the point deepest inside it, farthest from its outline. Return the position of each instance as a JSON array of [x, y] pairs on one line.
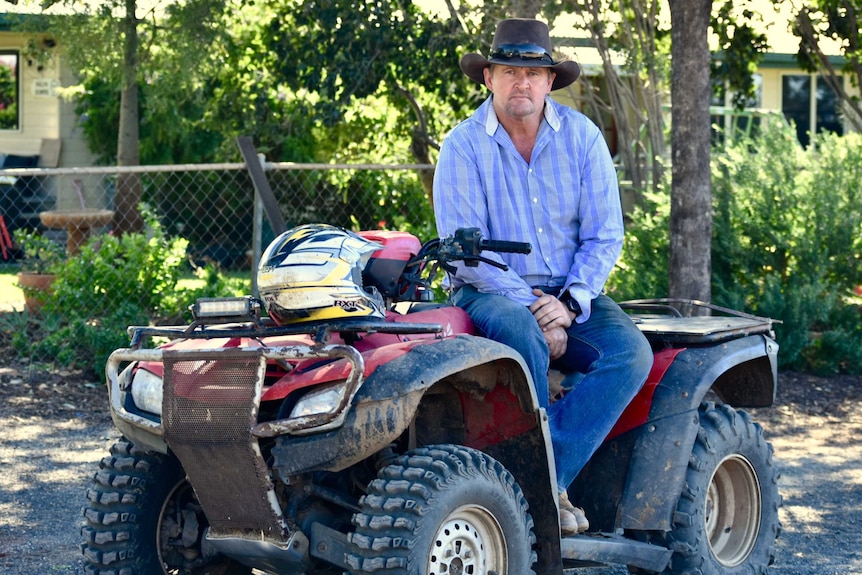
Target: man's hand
[[557, 340], [550, 312]]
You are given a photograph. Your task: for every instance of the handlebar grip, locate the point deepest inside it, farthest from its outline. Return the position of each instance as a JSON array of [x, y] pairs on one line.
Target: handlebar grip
[[508, 247]]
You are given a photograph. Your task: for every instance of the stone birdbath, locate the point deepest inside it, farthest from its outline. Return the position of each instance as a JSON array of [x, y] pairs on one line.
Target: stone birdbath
[[77, 224]]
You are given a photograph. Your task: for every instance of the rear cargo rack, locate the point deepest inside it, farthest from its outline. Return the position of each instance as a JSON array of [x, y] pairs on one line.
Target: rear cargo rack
[[663, 323]]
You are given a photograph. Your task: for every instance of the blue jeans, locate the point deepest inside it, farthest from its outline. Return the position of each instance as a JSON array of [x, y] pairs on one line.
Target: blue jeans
[[608, 349]]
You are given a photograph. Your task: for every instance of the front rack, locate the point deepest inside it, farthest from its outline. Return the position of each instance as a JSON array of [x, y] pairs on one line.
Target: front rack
[[321, 331]]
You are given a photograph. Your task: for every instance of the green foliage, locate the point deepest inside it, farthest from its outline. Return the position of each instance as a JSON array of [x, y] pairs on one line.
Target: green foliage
[[8, 86], [85, 343], [15, 326], [742, 48], [8, 98], [112, 270], [787, 231], [358, 199], [42, 255], [787, 243], [837, 349], [343, 50], [114, 282], [641, 271], [169, 133], [173, 68], [176, 304], [111, 283]]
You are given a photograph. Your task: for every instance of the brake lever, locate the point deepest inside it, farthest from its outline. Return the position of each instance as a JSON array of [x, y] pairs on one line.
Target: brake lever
[[473, 261]]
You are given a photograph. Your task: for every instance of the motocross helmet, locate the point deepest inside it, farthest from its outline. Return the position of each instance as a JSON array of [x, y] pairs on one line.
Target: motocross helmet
[[314, 272]]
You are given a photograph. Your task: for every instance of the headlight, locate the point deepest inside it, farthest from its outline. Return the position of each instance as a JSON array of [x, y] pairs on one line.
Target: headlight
[[323, 399], [147, 391]]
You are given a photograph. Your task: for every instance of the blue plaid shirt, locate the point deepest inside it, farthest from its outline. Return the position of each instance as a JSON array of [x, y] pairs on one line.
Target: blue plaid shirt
[[565, 203]]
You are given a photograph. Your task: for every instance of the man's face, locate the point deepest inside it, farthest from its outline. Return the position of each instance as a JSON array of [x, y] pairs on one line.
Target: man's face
[[518, 92]]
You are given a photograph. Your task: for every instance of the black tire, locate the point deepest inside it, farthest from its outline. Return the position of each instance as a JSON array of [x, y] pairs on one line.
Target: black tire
[[443, 509], [142, 518], [726, 520]]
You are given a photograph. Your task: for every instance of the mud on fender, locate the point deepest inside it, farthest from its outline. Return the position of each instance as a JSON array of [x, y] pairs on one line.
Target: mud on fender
[[385, 404]]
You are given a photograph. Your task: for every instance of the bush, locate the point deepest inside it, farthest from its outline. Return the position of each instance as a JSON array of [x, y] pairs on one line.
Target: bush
[[787, 238], [787, 242], [114, 282], [641, 271]]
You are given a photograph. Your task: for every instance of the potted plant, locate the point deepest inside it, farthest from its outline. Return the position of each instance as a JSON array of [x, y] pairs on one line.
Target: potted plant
[[41, 256]]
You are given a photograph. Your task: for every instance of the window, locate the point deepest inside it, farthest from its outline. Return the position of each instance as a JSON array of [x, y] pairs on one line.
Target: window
[[813, 106], [9, 90], [727, 120]]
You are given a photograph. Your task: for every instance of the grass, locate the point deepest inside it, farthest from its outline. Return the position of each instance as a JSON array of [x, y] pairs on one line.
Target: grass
[[11, 296]]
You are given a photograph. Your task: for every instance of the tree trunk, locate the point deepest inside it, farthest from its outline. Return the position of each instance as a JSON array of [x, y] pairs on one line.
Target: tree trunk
[[127, 217], [691, 194]]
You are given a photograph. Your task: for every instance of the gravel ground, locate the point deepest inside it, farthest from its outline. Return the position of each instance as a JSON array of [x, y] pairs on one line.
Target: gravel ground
[[54, 428]]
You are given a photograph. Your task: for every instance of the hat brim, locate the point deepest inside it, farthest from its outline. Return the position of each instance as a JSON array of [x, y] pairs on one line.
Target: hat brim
[[473, 66]]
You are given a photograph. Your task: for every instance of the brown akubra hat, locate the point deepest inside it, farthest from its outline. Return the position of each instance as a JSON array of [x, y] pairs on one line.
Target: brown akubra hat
[[525, 43]]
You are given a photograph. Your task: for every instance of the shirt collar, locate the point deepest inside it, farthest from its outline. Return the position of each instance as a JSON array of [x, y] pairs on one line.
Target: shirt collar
[[492, 122]]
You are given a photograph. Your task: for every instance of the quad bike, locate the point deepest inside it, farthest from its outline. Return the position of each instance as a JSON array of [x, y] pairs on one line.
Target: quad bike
[[407, 444]]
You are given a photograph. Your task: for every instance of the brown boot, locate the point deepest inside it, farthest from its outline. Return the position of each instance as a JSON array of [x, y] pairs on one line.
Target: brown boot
[[573, 520]]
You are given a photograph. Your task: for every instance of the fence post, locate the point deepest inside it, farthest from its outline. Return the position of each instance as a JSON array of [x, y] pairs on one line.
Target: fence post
[[257, 232]]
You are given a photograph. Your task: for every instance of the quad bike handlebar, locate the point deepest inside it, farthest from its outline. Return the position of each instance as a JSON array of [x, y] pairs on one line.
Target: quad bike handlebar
[[413, 278], [465, 245]]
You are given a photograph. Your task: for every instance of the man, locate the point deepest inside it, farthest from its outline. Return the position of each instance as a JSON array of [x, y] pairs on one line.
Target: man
[[525, 168]]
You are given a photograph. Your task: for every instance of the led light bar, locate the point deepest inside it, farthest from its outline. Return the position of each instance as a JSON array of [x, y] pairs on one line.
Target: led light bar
[[225, 308]]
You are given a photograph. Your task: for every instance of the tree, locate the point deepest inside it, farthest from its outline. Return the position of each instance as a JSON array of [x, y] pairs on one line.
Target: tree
[[636, 89], [312, 80], [691, 197], [344, 52], [112, 47], [127, 217], [634, 31], [840, 21]]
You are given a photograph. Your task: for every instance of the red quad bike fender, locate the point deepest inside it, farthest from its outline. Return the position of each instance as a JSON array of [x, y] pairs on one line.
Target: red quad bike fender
[[645, 457], [377, 349], [465, 390], [480, 387]]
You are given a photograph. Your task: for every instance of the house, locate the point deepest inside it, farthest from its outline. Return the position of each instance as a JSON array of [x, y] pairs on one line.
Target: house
[[38, 128], [40, 121], [782, 86]]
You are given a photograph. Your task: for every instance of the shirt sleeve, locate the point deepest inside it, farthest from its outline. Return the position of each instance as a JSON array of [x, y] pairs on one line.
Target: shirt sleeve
[[600, 237], [460, 202]]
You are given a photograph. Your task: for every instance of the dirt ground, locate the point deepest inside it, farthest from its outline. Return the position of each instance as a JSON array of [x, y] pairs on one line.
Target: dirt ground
[[55, 427]]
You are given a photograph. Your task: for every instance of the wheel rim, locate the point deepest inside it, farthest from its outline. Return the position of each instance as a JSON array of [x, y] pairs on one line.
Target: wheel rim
[[179, 521], [733, 509], [470, 541]]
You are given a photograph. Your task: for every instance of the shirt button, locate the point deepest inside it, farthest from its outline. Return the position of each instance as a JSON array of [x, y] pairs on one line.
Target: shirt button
[[535, 200], [540, 230]]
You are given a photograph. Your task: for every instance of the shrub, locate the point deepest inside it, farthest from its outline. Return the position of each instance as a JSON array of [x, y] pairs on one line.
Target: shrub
[[114, 282], [41, 255], [787, 242], [787, 233], [641, 271], [110, 271]]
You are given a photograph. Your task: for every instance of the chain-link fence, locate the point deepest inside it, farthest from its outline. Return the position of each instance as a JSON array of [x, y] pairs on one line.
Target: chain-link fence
[[212, 206], [209, 212]]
